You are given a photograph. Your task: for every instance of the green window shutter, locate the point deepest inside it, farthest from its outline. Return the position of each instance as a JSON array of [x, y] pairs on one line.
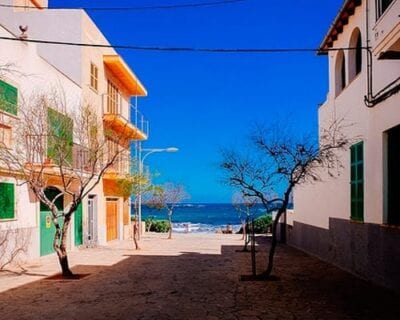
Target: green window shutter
[[60, 137], [8, 98], [7, 200], [357, 181]]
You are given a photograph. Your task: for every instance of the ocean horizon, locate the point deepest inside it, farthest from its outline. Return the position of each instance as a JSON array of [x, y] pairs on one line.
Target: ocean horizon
[[201, 217]]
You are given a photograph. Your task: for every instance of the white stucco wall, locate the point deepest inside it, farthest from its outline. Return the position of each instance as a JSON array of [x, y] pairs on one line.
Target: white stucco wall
[[314, 204], [74, 62], [31, 74]]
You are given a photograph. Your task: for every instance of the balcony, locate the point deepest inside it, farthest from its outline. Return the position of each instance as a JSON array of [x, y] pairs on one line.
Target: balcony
[[124, 118], [37, 155], [115, 176], [386, 31]]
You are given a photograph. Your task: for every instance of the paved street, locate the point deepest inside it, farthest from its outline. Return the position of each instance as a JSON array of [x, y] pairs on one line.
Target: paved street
[[191, 277]]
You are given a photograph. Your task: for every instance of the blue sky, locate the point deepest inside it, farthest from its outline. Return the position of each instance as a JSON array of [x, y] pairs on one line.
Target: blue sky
[[202, 102]]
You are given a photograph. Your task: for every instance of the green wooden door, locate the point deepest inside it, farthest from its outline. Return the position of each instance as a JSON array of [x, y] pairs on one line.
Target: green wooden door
[[78, 226], [47, 229]]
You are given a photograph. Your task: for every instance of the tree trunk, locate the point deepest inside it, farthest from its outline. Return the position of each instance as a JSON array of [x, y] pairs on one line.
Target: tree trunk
[[244, 231], [60, 244], [66, 272], [135, 234], [246, 235], [274, 242], [170, 224]]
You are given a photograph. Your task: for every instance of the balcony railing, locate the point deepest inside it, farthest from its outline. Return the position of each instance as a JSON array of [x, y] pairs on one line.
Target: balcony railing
[[81, 158], [37, 154], [128, 112]]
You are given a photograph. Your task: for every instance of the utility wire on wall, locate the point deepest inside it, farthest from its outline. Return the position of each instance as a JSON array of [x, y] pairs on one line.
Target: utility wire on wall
[[136, 8], [181, 49]]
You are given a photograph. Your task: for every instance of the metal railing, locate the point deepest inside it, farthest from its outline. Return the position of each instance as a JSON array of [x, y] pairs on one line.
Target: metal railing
[[37, 153], [122, 164], [81, 158], [129, 112]]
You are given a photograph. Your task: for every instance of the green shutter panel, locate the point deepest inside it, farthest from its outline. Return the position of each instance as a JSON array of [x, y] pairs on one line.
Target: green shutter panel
[[7, 200], [60, 135], [357, 181], [8, 98]]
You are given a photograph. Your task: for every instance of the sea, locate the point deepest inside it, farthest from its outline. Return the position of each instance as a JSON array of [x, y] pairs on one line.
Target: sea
[[201, 217]]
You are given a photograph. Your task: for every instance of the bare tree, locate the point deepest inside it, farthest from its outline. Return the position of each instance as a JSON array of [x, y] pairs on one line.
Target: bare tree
[[167, 197], [55, 147], [243, 204], [132, 185], [13, 246], [278, 163]]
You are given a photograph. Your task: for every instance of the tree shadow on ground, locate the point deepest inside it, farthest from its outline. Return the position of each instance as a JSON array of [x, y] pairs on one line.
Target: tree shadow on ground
[[203, 286]]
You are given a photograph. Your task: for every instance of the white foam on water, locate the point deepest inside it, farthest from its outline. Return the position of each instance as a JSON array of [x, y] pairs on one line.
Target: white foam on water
[[188, 227]]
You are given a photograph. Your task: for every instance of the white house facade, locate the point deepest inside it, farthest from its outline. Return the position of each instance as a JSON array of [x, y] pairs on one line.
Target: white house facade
[[353, 220], [102, 80], [24, 74]]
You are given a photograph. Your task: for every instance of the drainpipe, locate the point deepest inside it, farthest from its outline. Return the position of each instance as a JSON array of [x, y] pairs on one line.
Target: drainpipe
[[369, 56]]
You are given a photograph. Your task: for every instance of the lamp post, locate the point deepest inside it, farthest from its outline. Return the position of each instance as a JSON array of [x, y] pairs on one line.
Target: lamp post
[[148, 151]]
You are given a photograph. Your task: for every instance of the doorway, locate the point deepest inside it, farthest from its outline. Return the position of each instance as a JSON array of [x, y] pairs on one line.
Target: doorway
[[112, 219], [47, 228], [92, 220], [393, 176]]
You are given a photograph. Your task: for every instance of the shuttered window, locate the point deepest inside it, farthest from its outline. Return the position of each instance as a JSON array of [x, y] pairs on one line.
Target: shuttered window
[[357, 181], [60, 136], [94, 76], [8, 98], [112, 98], [7, 200]]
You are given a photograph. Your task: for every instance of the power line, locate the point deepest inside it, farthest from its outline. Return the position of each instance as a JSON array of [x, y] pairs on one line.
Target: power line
[[136, 8], [181, 49]]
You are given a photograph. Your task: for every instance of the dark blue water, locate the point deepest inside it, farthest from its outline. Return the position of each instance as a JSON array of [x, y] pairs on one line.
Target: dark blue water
[[206, 217]]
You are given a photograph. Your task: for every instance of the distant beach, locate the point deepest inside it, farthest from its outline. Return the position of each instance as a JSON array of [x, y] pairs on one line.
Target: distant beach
[[201, 217]]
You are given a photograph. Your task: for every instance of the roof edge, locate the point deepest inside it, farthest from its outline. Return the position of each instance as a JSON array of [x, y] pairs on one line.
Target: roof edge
[[342, 19]]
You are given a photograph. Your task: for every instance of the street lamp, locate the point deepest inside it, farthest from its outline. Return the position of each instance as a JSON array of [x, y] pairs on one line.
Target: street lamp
[[148, 151]]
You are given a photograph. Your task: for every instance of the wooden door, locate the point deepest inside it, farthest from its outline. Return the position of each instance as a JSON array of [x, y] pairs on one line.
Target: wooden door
[[112, 219], [47, 228], [78, 226]]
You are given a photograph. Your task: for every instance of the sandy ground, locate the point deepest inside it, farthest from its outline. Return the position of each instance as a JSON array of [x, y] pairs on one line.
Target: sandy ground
[[191, 277]]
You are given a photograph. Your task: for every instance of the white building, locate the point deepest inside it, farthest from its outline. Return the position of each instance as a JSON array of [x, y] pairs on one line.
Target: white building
[[353, 220], [105, 82], [23, 73]]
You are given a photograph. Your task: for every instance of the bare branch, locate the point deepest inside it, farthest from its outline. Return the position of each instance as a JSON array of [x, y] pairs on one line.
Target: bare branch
[[281, 161]]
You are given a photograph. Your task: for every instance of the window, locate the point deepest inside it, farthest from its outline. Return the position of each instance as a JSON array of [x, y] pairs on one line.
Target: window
[[8, 98], [112, 98], [381, 6], [113, 149], [94, 79], [357, 181], [60, 137], [340, 73], [5, 136], [7, 200], [355, 55]]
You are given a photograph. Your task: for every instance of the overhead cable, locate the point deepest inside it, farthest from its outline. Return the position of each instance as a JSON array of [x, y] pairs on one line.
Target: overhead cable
[[178, 49], [135, 8]]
